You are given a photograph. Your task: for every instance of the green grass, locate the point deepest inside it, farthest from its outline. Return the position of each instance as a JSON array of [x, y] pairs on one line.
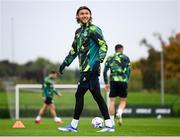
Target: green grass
[[34, 100], [30, 102], [150, 98], [131, 127], [65, 102], [3, 102]]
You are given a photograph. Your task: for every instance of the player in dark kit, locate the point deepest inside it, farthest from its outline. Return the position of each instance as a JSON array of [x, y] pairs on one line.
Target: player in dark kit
[[91, 49], [119, 65]]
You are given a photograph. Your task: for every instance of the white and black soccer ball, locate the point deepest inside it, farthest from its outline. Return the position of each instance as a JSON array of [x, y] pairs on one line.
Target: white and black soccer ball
[[97, 122]]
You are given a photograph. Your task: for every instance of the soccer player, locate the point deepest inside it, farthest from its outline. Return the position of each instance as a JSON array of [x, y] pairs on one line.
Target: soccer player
[[91, 49], [48, 92], [119, 65]]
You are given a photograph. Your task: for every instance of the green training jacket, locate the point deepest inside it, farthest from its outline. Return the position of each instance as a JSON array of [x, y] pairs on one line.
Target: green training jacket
[[119, 65], [89, 45]]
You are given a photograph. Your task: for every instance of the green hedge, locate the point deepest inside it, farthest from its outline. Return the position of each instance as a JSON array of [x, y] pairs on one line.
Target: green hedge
[[4, 113], [176, 108]]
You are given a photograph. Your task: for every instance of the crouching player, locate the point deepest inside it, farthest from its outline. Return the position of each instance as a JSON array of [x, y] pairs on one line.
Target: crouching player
[[48, 92]]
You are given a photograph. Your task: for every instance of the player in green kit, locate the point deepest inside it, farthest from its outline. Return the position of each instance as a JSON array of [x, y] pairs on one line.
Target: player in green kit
[[90, 47], [48, 93], [119, 65]]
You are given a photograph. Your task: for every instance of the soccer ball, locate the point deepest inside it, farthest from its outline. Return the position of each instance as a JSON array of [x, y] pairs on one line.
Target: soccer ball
[[97, 122]]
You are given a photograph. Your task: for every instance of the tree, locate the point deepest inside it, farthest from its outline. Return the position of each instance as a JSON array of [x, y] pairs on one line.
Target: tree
[[150, 67], [172, 64], [135, 82], [34, 71], [172, 58]]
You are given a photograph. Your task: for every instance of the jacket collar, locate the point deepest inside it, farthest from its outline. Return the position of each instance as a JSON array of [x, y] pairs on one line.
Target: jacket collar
[[84, 25]]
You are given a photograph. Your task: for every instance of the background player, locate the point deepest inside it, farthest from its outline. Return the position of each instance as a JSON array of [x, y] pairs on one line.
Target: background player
[[48, 92], [119, 65]]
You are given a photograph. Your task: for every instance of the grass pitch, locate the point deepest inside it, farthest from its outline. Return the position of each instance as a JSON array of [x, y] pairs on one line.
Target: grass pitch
[[131, 127]]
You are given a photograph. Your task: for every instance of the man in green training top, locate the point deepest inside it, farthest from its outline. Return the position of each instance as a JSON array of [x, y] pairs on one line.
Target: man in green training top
[[48, 93], [119, 65], [90, 47]]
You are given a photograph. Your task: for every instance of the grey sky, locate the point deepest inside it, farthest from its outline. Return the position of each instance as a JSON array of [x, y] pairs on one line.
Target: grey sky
[[45, 28]]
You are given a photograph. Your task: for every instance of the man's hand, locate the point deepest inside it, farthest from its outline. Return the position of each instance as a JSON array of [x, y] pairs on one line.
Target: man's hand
[[61, 68], [43, 98], [106, 87], [59, 95]]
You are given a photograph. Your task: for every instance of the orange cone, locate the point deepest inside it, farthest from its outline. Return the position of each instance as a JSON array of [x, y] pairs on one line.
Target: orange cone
[[18, 124]]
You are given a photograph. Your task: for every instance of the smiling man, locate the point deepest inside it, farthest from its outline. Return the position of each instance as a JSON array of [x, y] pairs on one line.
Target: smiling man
[[91, 49]]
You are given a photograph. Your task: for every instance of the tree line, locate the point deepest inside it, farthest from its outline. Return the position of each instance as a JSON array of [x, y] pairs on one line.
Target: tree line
[[145, 72], [150, 66], [33, 72]]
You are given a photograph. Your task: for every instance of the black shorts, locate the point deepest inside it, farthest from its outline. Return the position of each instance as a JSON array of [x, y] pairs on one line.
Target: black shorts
[[48, 100], [118, 89], [89, 80]]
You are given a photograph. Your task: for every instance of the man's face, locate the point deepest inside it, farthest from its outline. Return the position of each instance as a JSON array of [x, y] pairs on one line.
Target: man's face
[[120, 50], [84, 16], [54, 75]]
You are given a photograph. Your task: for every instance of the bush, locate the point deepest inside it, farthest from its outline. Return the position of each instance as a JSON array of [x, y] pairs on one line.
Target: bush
[[2, 88], [25, 81], [176, 108], [4, 113], [172, 85], [135, 82]]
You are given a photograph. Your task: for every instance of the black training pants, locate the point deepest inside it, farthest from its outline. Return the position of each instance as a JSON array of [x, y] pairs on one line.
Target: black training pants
[[91, 84]]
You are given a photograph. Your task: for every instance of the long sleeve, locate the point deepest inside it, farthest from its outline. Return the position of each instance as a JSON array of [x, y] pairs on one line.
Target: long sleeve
[[128, 69], [96, 35], [72, 54], [55, 91], [106, 68], [46, 86]]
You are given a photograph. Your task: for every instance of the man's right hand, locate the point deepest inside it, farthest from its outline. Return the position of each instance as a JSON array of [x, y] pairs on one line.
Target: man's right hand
[[61, 68], [106, 87], [59, 95]]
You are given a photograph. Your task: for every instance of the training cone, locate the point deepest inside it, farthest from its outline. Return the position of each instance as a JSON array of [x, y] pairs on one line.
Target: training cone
[[18, 124]]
